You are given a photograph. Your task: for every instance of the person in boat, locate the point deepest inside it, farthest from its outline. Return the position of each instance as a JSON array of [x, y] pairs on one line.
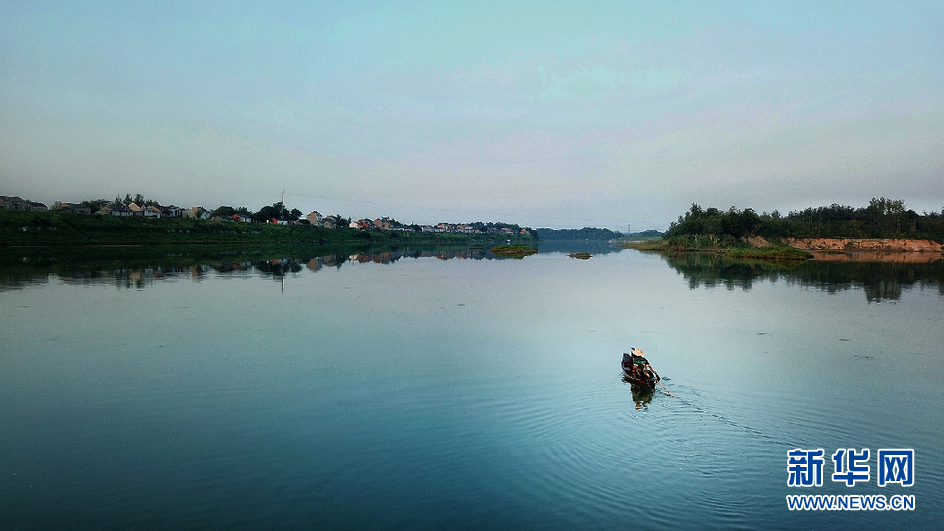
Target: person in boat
[[641, 367]]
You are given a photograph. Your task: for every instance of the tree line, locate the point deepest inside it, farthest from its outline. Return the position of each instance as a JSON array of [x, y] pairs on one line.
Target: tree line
[[882, 218], [276, 210], [586, 233], [279, 211]]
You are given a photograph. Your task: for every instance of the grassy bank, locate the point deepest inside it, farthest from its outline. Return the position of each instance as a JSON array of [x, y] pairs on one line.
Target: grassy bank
[[730, 247], [777, 253], [518, 250], [63, 228]]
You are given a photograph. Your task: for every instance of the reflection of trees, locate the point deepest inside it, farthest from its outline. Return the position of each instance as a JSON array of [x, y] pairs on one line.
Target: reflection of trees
[[594, 247], [879, 280], [390, 257], [712, 270], [138, 268], [277, 267], [132, 278]]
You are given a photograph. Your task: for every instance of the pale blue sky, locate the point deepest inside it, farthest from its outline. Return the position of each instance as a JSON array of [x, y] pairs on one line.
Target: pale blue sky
[[543, 113]]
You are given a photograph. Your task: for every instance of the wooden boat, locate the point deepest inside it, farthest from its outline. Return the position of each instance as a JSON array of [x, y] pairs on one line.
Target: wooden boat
[[649, 381]]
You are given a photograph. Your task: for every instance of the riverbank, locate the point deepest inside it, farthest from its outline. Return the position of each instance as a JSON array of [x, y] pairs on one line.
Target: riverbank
[[745, 251], [865, 244], [794, 249], [53, 229]]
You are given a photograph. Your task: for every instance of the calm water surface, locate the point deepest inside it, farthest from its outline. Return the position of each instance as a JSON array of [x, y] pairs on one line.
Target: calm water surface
[[460, 391]]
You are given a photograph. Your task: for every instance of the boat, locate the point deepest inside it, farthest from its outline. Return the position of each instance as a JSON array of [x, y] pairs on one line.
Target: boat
[[632, 376]]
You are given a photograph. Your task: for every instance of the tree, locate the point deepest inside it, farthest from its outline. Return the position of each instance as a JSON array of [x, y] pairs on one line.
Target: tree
[[276, 211], [95, 204], [223, 212]]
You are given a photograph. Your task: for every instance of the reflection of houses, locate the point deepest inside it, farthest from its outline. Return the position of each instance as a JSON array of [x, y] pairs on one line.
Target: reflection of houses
[[136, 278], [331, 260]]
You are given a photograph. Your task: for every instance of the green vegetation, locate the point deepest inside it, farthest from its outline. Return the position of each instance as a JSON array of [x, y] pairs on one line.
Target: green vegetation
[[586, 233], [727, 246], [777, 253], [728, 232], [883, 218], [580, 256], [56, 228], [518, 250], [880, 280]]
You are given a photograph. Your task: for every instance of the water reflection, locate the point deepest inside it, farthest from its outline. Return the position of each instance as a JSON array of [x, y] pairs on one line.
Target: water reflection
[[389, 256], [594, 247], [642, 395], [135, 278], [136, 268], [879, 280]]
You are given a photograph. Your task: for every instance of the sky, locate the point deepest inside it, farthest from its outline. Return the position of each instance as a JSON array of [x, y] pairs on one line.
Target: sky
[[545, 114]]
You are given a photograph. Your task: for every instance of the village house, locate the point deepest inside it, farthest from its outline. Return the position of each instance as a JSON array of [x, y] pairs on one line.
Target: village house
[[330, 222], [146, 211], [115, 210], [315, 218], [197, 212], [18, 203], [171, 211], [12, 203], [75, 208]]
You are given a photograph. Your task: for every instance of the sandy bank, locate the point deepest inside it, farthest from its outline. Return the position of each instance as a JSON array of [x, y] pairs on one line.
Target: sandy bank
[[865, 245]]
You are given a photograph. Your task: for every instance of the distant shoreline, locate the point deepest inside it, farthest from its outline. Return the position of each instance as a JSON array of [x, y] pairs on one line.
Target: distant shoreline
[[55, 229]]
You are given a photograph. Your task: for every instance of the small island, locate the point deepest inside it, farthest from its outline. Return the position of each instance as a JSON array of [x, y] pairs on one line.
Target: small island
[[883, 226], [580, 256], [518, 250]]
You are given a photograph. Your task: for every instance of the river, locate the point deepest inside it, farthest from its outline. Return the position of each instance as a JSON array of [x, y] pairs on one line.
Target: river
[[431, 389]]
